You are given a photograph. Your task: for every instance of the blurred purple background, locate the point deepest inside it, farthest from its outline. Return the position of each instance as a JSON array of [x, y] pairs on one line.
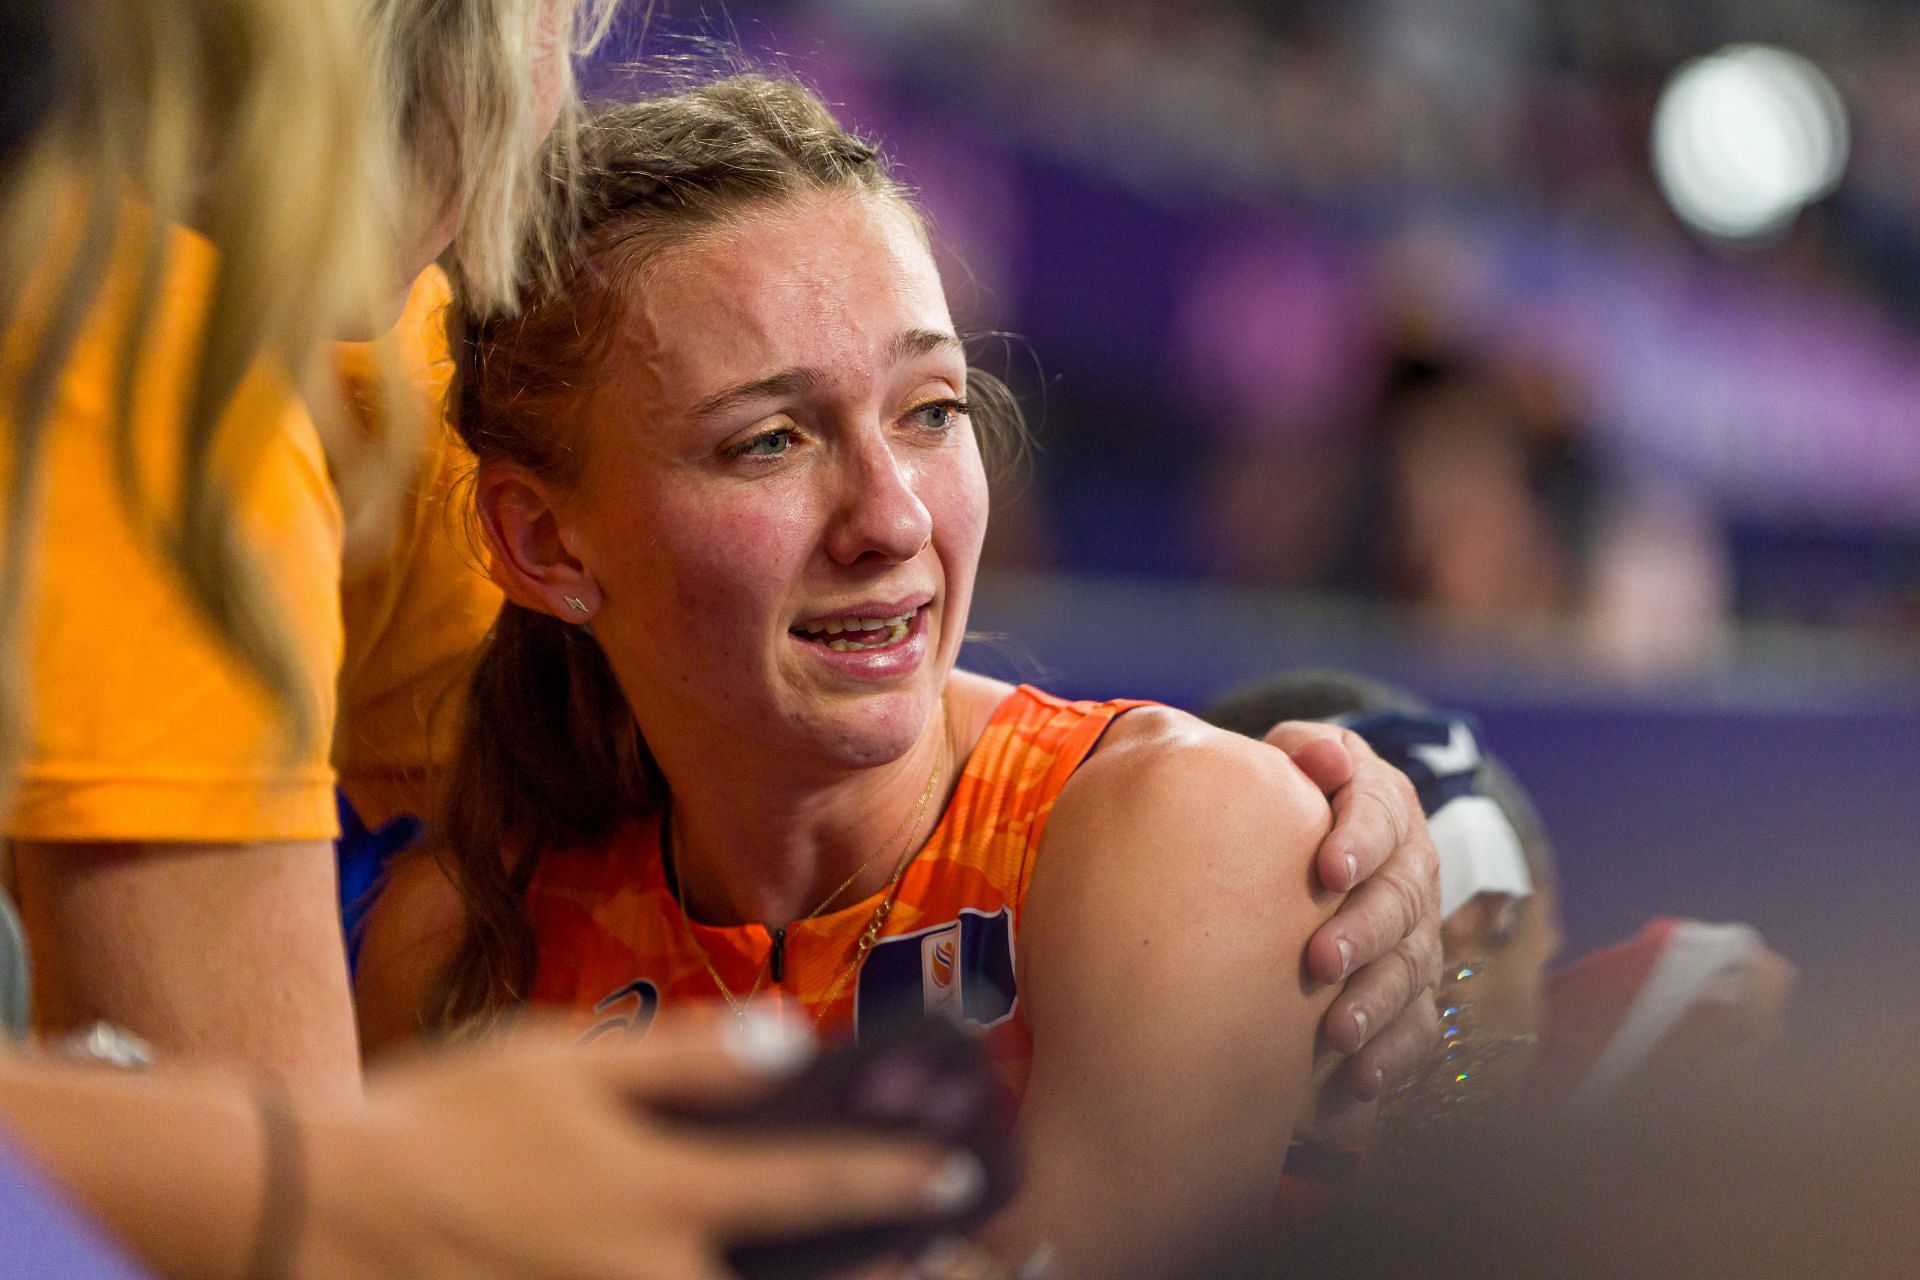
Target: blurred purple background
[[1363, 334]]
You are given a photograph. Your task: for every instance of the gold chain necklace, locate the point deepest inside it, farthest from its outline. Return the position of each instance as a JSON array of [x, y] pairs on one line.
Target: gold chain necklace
[[910, 826], [869, 935]]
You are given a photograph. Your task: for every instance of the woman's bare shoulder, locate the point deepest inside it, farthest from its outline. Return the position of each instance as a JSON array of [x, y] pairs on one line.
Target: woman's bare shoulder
[[1163, 759], [408, 940], [1174, 819], [971, 701], [1164, 931]]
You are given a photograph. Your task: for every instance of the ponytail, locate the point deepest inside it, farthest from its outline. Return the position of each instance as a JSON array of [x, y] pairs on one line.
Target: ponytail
[[549, 756]]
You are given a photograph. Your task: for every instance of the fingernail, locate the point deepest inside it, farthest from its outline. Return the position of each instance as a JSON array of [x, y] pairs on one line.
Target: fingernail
[[1038, 1266], [1346, 957], [1353, 871], [1359, 1027], [767, 1046], [956, 1186], [944, 1255]]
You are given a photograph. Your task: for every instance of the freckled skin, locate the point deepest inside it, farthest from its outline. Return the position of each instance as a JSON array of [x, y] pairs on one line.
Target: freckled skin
[[706, 527], [705, 561]]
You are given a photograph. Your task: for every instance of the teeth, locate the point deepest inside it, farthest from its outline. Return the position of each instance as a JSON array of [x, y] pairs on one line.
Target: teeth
[[896, 631], [895, 627]]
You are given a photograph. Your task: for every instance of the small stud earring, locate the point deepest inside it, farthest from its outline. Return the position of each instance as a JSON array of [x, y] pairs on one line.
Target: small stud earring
[[574, 603]]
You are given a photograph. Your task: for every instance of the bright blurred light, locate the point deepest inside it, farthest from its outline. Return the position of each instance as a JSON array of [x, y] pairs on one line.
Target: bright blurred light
[[1747, 138]]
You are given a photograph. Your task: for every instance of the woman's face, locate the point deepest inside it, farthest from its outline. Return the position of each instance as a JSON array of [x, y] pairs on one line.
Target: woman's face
[[1511, 941], [782, 501]]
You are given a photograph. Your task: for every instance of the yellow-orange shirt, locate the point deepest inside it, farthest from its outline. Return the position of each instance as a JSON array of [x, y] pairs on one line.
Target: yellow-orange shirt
[[613, 944], [416, 608], [143, 727]]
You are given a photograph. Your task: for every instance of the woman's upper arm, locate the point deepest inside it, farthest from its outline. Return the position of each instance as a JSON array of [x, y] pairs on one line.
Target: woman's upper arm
[[1162, 970], [408, 938], [212, 952]]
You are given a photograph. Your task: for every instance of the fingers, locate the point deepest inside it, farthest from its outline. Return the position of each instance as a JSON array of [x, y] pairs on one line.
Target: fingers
[[1377, 917], [1375, 809], [960, 1259], [1378, 993], [1391, 1057], [1374, 816], [699, 1061], [1321, 754], [750, 1188]]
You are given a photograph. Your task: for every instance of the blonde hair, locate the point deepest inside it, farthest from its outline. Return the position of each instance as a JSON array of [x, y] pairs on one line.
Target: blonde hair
[[230, 115], [226, 115], [461, 85]]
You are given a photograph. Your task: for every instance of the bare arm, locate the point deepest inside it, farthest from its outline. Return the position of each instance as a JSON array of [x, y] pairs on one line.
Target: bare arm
[[408, 939], [530, 1158], [211, 952], [172, 1167], [1162, 970]]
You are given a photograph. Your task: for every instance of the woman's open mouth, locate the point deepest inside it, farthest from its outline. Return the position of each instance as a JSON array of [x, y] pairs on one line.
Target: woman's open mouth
[[853, 635]]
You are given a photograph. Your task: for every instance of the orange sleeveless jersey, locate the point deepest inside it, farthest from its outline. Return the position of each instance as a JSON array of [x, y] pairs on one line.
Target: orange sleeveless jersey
[[614, 945]]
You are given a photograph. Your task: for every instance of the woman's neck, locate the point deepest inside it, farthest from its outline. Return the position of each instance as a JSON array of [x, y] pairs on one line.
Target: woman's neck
[[753, 843]]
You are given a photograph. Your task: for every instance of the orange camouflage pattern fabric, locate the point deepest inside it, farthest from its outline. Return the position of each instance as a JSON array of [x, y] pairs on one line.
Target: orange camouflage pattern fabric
[[613, 945]]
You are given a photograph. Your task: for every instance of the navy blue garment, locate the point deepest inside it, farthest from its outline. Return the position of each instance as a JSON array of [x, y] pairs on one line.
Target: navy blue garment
[[363, 856], [893, 982], [1437, 750]]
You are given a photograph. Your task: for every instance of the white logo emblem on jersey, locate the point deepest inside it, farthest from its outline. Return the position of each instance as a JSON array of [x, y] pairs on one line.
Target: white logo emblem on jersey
[[1460, 755], [940, 971]]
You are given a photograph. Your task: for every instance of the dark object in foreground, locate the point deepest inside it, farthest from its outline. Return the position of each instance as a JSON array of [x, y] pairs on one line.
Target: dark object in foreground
[[909, 1078], [1800, 1170]]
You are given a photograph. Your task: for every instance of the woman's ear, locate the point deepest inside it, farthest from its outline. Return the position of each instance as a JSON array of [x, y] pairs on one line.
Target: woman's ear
[[531, 559]]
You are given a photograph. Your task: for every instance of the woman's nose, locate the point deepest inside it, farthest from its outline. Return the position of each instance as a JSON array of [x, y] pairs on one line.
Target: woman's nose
[[880, 510]]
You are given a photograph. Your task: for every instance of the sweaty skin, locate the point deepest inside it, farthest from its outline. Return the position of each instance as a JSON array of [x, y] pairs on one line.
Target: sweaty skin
[[791, 443]]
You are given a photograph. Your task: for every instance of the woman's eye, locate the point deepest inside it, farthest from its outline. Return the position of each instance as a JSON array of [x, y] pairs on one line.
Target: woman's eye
[[768, 444], [938, 415], [1506, 923]]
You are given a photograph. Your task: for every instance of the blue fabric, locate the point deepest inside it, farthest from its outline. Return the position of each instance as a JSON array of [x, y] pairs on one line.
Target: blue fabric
[[44, 1237], [363, 856], [1438, 751], [900, 978]]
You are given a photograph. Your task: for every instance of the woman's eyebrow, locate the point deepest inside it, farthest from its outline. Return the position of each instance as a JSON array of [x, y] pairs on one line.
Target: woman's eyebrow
[[921, 342], [792, 382], [788, 382]]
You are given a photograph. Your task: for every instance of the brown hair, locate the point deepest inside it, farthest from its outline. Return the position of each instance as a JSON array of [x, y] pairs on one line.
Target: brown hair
[[549, 750]]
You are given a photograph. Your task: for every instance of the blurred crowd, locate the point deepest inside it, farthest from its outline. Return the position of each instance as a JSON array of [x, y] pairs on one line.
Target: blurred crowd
[[1384, 300], [377, 900]]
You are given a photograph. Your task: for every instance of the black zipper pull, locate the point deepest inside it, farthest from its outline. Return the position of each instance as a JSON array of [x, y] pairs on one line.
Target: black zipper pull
[[778, 963]]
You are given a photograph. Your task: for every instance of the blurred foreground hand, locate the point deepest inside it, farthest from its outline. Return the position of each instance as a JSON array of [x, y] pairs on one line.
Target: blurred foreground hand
[[532, 1157]]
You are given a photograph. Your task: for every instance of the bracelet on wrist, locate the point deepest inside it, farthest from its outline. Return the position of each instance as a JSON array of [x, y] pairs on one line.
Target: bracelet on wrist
[[283, 1192]]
